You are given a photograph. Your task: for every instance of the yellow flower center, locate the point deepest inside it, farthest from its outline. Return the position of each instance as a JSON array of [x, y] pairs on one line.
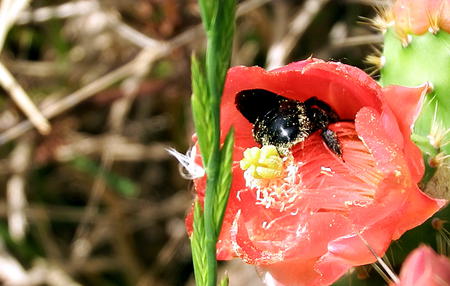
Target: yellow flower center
[[262, 163]]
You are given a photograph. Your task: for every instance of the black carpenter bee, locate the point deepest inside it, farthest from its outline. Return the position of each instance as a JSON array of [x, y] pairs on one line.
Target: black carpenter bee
[[284, 122]]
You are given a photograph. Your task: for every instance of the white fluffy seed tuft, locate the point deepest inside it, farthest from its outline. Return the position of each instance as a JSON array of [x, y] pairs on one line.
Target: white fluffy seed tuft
[[189, 169]]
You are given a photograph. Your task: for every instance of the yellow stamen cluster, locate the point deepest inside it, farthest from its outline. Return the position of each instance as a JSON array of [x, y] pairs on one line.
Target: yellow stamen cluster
[[262, 163]]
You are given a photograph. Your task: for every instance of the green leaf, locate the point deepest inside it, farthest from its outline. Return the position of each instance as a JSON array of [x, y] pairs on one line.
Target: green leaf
[[201, 110], [224, 184], [198, 246], [116, 182]]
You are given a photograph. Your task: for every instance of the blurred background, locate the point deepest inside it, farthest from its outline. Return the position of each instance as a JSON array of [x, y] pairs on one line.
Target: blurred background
[[97, 199]]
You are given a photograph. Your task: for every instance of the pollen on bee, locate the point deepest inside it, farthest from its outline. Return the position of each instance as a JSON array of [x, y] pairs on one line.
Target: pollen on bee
[[262, 163]]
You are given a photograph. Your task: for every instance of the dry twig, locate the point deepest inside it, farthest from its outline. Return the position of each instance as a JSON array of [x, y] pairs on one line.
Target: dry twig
[[66, 10], [280, 50], [9, 11], [15, 189], [23, 101]]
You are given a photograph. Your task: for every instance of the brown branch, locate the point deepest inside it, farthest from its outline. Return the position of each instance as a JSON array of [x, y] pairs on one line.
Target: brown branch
[[22, 100], [280, 50]]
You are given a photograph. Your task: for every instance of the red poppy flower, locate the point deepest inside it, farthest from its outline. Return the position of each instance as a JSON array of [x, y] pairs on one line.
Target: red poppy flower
[[313, 222], [423, 267]]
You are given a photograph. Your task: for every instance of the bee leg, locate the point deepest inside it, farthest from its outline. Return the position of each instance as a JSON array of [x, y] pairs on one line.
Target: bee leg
[[331, 114], [331, 140]]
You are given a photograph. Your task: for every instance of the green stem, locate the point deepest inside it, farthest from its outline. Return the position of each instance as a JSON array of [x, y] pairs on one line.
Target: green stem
[[213, 167], [218, 20], [210, 229]]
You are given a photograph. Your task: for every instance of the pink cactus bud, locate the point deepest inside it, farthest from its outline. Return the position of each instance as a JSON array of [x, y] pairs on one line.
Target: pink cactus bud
[[424, 267], [444, 21], [418, 16]]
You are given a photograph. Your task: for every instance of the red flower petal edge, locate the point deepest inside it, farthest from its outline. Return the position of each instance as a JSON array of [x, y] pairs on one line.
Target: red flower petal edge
[[423, 267], [312, 225]]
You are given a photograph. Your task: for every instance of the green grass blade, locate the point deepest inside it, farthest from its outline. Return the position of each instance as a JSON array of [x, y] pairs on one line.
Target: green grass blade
[[198, 245], [218, 20], [208, 11], [224, 35], [225, 176], [201, 110], [220, 40], [225, 281]]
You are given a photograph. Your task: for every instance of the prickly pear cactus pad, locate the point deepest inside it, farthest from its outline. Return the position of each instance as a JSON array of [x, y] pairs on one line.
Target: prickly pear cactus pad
[[417, 51]]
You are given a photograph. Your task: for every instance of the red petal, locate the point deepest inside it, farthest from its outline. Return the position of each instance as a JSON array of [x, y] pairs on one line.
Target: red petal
[[385, 152], [273, 235], [399, 204], [303, 225], [406, 102], [399, 190], [298, 272], [417, 208]]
